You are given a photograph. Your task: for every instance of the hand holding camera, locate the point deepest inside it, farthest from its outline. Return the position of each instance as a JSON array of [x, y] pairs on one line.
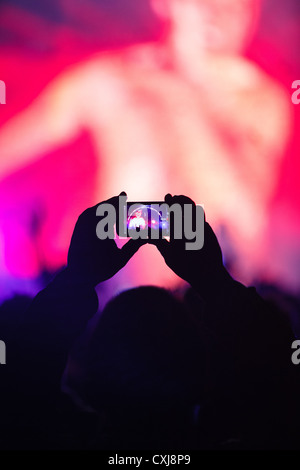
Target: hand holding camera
[[176, 226]]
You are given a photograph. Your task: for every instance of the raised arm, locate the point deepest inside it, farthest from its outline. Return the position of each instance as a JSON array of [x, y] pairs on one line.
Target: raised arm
[[55, 319], [256, 385]]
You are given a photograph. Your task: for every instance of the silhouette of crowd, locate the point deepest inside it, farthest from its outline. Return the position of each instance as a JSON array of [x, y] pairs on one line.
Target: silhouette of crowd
[[210, 369]]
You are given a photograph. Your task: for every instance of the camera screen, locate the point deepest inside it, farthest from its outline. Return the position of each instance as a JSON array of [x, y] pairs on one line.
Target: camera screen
[[152, 217]]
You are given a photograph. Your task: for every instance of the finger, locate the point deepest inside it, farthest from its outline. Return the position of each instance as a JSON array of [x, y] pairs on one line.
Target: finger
[[90, 211], [181, 199], [115, 200], [168, 198]]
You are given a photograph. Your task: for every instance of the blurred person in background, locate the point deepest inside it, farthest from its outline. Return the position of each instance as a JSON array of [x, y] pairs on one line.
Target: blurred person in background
[[189, 110]]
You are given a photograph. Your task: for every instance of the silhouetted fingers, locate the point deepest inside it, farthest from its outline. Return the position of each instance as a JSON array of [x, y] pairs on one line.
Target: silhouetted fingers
[[178, 199], [168, 198]]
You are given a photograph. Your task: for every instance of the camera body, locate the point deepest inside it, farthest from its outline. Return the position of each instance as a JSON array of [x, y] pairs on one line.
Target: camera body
[[152, 218]]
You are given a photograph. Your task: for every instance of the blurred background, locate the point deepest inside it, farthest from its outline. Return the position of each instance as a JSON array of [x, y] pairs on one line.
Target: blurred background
[[151, 96]]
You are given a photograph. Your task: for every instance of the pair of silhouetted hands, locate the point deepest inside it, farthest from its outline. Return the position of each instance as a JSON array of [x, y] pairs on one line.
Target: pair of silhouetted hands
[[91, 260]]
